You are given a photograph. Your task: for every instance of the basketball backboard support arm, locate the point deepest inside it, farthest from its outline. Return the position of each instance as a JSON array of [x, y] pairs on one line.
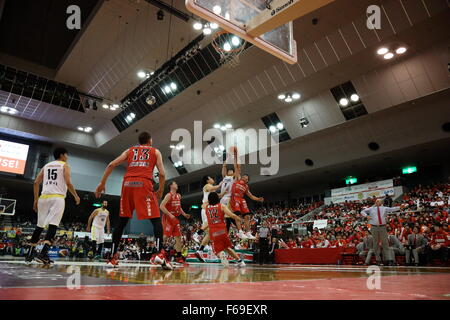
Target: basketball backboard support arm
[[281, 12]]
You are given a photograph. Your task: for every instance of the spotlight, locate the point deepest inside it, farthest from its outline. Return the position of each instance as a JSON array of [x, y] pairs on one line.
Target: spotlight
[[105, 106], [382, 51], [227, 16], [214, 26], [400, 50], [388, 56], [235, 41], [6, 109], [217, 126], [141, 74], [160, 15], [280, 126], [354, 97], [80, 128], [227, 46], [221, 148], [296, 96], [223, 128], [282, 96], [288, 99], [167, 89], [272, 129], [115, 106], [87, 129], [207, 30], [217, 10], [198, 25], [228, 126], [173, 86], [172, 146], [343, 102]]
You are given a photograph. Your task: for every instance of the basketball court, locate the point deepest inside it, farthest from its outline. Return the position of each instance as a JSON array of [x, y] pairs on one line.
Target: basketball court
[[341, 89], [135, 281]]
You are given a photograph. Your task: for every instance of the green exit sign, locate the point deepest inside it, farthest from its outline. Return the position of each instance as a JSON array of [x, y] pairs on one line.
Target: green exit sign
[[97, 205], [351, 180], [409, 170], [194, 207]]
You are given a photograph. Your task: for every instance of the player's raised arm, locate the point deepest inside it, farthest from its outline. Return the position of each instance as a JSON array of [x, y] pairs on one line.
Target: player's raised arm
[[91, 217], [211, 188], [224, 169], [163, 208], [67, 177], [37, 183], [117, 161], [236, 164], [162, 174], [254, 198]]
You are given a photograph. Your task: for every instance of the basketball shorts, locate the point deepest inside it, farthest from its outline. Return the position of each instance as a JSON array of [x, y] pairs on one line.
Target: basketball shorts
[[204, 219], [225, 200], [98, 234], [239, 205], [220, 241], [138, 194], [171, 226], [50, 210]]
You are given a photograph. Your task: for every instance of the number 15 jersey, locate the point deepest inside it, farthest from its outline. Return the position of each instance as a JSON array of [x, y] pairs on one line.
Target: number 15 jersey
[[54, 181]]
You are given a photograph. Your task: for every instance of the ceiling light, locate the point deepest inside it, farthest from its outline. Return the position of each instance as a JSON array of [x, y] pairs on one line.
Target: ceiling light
[[216, 150], [115, 105], [235, 41], [343, 102], [401, 50], [217, 126], [280, 126], [173, 86], [132, 115], [222, 148], [105, 106], [87, 129], [223, 128], [167, 89], [281, 96], [198, 26], [141, 74], [288, 99], [296, 96], [272, 129], [207, 30], [228, 126], [382, 51], [9, 110], [217, 9], [172, 146], [227, 16], [81, 128], [152, 73], [4, 109], [214, 26], [354, 97], [227, 46], [388, 55]]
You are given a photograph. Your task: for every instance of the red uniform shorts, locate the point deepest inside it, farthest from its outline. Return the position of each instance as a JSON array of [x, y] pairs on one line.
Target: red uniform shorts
[[171, 226], [220, 242], [138, 194], [239, 205]]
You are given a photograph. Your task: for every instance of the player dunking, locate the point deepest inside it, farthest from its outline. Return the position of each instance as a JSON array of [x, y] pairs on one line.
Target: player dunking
[[99, 218], [237, 203], [56, 180], [171, 207], [215, 214], [137, 192]]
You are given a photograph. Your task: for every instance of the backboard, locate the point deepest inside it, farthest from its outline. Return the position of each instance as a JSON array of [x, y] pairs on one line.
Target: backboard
[[7, 206], [268, 24]]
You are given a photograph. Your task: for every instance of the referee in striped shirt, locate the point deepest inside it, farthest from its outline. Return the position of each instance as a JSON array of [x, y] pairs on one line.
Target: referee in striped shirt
[[264, 240]]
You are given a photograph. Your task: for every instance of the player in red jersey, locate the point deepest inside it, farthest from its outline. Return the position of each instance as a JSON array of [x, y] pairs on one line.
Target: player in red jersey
[[215, 214], [237, 203], [137, 192], [171, 207]]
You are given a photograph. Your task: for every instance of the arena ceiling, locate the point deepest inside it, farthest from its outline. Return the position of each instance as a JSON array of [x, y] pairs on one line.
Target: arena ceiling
[[120, 37]]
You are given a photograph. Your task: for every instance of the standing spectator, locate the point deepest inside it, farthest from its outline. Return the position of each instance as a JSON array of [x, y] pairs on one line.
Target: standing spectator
[[263, 235], [377, 218], [417, 244]]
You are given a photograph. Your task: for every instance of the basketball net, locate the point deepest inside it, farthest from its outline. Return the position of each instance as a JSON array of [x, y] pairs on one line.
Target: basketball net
[[229, 47]]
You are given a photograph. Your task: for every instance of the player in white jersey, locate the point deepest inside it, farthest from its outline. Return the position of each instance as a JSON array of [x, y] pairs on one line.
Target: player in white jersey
[[55, 179], [229, 177], [99, 219]]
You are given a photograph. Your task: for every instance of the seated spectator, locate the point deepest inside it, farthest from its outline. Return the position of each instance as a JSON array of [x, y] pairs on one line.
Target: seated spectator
[[416, 244], [439, 243]]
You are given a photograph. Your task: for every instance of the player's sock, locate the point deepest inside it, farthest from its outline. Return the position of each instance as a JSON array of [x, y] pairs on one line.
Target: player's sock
[[100, 249], [158, 232], [94, 246], [36, 234], [44, 250], [117, 234], [201, 248]]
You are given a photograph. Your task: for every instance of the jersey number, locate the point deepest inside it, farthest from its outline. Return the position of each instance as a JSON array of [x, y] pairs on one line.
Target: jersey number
[[144, 156], [52, 174], [214, 215]]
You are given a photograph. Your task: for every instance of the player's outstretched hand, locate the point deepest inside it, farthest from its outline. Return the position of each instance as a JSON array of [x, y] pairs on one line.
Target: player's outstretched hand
[[35, 206], [261, 199], [77, 200], [99, 190], [187, 216]]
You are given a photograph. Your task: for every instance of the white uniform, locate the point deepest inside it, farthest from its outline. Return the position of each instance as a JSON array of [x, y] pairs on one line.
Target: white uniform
[[52, 200], [227, 183], [205, 199], [98, 226]]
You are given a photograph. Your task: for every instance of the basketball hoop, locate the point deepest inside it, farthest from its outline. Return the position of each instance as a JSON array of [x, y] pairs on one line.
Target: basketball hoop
[[229, 47]]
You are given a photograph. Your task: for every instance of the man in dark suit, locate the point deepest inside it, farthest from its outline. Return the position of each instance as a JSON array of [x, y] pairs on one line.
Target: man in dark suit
[[417, 244]]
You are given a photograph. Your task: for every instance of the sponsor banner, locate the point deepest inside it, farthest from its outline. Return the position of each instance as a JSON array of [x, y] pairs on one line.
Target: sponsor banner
[[210, 257], [320, 224], [13, 157], [82, 235], [365, 187], [363, 195], [69, 234], [55, 252]]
